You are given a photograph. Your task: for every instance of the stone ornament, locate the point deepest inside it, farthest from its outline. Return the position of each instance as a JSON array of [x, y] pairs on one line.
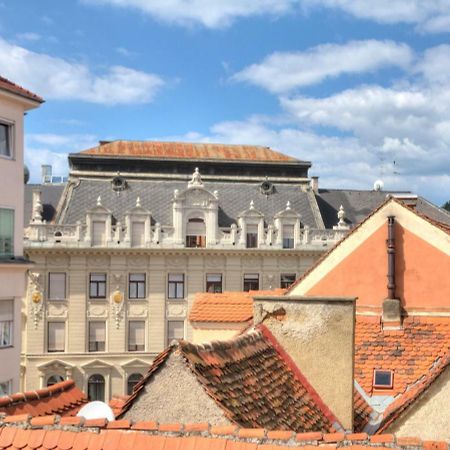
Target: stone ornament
[[196, 179], [117, 307]]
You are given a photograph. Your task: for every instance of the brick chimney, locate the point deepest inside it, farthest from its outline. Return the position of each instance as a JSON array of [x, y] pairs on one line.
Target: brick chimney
[[318, 334], [315, 184]]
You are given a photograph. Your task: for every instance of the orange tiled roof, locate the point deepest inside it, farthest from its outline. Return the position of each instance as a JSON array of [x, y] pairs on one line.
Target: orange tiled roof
[[18, 90], [62, 398], [187, 150], [361, 411], [117, 403], [410, 352], [74, 433], [253, 381], [233, 307]]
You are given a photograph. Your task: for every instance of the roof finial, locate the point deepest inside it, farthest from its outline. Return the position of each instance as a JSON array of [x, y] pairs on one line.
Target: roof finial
[[252, 204], [99, 201], [138, 202], [341, 216], [196, 179], [288, 205]]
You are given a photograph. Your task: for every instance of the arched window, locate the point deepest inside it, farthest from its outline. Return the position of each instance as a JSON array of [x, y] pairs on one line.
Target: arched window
[[196, 233], [96, 387], [53, 379], [132, 381]]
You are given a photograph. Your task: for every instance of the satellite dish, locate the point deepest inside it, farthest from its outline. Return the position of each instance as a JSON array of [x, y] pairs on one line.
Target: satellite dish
[[96, 410], [378, 185]]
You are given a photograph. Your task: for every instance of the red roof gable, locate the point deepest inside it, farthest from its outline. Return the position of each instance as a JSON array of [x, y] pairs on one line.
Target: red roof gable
[[62, 398], [18, 90], [187, 150]]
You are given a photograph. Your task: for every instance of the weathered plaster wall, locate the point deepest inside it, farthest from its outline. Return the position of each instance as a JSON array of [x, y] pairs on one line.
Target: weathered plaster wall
[[210, 334], [175, 385], [319, 337], [429, 417]]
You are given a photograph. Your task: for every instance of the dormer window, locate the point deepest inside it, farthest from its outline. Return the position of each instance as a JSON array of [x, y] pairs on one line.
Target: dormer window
[[98, 232], [252, 236], [383, 379], [196, 233], [288, 236]]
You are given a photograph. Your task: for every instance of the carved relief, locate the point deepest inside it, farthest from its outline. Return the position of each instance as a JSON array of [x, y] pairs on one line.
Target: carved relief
[[98, 261], [215, 261], [97, 311], [137, 310], [117, 307], [36, 296], [176, 261], [58, 261], [287, 262], [57, 310], [176, 310], [137, 261], [252, 261]]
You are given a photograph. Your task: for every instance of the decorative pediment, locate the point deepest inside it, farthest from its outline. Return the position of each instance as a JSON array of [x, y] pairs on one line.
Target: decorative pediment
[[251, 212], [138, 209], [99, 208], [97, 364], [288, 212], [136, 363], [55, 364]]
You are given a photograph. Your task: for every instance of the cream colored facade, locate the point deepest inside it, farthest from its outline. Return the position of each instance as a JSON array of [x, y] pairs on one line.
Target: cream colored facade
[[12, 264]]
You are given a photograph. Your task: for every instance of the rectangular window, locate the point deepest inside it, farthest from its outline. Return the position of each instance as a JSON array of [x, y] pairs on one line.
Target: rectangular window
[[97, 285], [136, 336], [6, 322], [136, 285], [56, 286], [288, 236], [214, 283], [56, 332], [5, 140], [383, 379], [176, 285], [137, 234], [251, 282], [97, 336], [5, 388], [287, 279], [175, 330], [98, 232], [195, 241], [252, 236], [6, 233]]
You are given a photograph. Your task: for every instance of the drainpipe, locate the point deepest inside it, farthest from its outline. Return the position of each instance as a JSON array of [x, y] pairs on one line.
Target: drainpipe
[[391, 258]]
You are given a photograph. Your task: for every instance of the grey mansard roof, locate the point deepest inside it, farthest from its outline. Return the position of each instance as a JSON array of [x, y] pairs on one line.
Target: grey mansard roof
[[51, 194], [157, 196]]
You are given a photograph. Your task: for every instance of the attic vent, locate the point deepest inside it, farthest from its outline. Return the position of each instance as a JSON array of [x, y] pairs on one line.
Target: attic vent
[[119, 184], [267, 188]]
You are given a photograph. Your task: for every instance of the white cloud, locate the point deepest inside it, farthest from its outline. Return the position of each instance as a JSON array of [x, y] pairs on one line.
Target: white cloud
[[435, 64], [28, 36], [429, 15], [284, 71], [211, 14], [60, 79]]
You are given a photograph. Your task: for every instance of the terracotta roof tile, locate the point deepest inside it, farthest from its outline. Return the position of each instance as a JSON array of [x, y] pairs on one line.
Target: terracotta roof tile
[[9, 86], [187, 150], [230, 307], [62, 398], [254, 371], [362, 411]]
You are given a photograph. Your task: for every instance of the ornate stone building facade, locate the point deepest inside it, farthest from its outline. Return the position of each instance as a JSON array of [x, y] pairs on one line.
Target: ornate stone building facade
[[141, 227]]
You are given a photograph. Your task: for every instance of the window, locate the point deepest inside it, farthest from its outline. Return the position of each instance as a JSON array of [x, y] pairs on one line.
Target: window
[[53, 379], [196, 233], [98, 232], [251, 282], [252, 236], [176, 285], [136, 336], [383, 379], [5, 388], [5, 140], [132, 381], [137, 234], [96, 388], [56, 286], [97, 336], [288, 236], [175, 330], [287, 279], [136, 285], [214, 282], [97, 285], [6, 322], [56, 336], [6, 233]]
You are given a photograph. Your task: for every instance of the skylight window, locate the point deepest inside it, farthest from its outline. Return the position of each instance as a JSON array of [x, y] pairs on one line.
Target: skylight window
[[383, 379]]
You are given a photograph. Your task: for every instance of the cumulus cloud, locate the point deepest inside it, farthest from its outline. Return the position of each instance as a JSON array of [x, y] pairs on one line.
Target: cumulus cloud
[[211, 14], [284, 71], [60, 79]]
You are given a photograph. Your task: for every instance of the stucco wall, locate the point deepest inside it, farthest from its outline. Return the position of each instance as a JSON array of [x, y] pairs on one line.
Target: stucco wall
[[429, 417], [175, 385], [211, 334], [319, 337]]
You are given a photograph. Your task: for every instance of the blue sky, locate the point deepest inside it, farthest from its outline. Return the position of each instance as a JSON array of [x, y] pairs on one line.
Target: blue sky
[[361, 89]]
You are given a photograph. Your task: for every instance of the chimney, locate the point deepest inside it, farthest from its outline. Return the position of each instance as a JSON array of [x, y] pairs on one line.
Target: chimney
[[46, 173], [391, 316], [318, 334], [315, 184]]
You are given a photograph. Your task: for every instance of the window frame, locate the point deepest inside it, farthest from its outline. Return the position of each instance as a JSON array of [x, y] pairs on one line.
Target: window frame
[[176, 283], [286, 275], [4, 255], [376, 385], [52, 322], [168, 341], [97, 284], [10, 126], [96, 383], [89, 336], [212, 283], [244, 281], [137, 283], [134, 382], [251, 240], [49, 297], [8, 324], [8, 383], [128, 336]]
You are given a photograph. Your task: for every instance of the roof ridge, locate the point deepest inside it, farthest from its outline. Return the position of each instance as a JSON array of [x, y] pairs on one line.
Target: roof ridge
[[10, 86]]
